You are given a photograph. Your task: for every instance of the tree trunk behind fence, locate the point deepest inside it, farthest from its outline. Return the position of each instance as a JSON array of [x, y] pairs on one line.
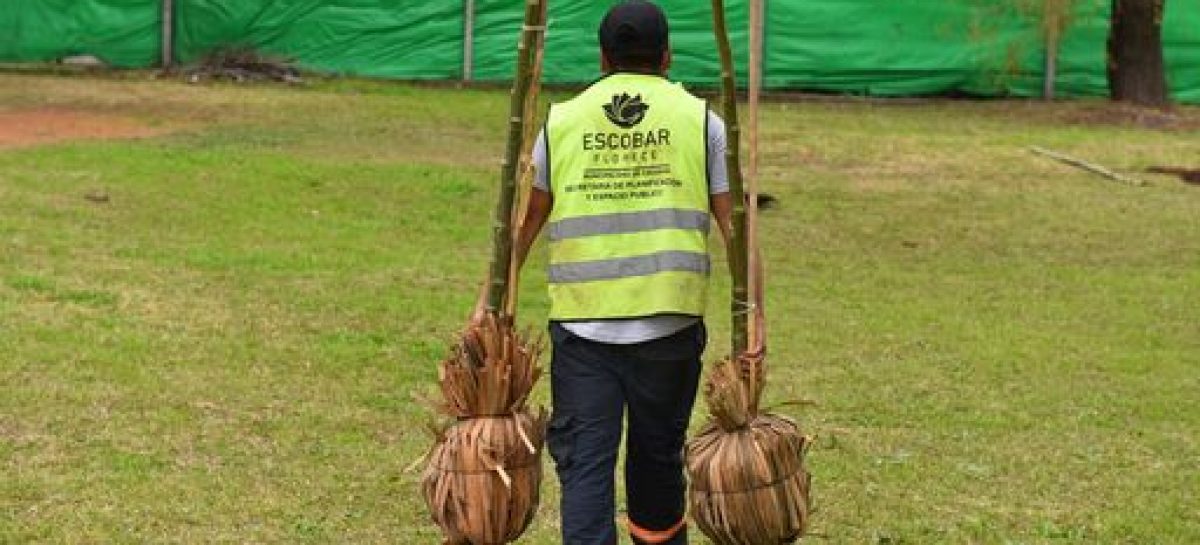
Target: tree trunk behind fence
[[1136, 71]]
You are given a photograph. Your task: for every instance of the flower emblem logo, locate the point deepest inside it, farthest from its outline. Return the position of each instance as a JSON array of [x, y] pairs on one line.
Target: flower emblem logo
[[626, 111]]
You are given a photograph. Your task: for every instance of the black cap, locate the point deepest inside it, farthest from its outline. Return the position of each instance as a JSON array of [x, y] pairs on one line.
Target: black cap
[[634, 31]]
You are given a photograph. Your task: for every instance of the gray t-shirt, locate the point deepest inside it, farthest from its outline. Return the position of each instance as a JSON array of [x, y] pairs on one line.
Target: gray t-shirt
[[636, 330]]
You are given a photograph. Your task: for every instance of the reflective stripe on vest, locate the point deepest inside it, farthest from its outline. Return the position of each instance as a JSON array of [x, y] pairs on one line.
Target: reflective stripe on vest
[[626, 267], [630, 222]]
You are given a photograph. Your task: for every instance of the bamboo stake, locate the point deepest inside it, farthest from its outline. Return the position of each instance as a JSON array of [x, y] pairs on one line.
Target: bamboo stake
[[527, 169], [756, 70], [737, 252], [502, 246], [468, 52], [168, 34], [755, 326]]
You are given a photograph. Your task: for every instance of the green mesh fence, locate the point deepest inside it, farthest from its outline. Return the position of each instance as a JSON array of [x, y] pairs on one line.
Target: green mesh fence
[[874, 47]]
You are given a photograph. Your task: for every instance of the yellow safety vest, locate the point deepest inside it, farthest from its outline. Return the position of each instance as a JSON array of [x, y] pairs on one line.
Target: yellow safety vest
[[629, 226]]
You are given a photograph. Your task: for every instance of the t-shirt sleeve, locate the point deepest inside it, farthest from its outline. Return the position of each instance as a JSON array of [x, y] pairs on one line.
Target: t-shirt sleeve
[[718, 174], [541, 180]]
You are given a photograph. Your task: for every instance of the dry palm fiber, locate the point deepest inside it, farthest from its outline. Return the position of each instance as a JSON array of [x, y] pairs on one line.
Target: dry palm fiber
[[484, 472], [483, 476], [748, 484], [747, 481], [482, 482], [490, 370]]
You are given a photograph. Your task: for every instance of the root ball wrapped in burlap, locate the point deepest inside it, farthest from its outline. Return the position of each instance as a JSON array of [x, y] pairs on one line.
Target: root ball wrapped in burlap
[[748, 484], [483, 476]]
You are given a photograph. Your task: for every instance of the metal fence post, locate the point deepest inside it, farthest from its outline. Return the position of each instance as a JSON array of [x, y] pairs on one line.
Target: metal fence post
[[1051, 69], [168, 33], [468, 40]]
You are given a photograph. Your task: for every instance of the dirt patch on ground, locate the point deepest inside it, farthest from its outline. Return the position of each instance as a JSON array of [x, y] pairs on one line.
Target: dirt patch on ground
[[20, 128], [1124, 115]]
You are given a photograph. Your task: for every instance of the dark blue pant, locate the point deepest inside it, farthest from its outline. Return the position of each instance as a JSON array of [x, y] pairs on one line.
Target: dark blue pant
[[592, 384]]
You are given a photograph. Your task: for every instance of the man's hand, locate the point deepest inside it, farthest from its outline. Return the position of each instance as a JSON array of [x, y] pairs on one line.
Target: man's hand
[[480, 310], [756, 353], [758, 345], [750, 365], [721, 206]]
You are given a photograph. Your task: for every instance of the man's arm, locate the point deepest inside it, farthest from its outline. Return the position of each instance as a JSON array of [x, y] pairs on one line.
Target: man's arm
[[721, 205], [540, 203], [536, 212], [541, 200], [722, 210]]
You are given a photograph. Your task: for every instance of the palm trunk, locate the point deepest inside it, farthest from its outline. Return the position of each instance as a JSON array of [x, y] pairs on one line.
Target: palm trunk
[[737, 243]]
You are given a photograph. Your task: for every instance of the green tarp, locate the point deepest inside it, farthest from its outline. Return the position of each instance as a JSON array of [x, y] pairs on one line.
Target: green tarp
[[123, 33], [875, 47], [1181, 47], [573, 49], [412, 39]]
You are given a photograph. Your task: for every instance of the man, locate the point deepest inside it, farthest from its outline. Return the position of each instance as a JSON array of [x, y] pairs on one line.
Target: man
[[628, 173]]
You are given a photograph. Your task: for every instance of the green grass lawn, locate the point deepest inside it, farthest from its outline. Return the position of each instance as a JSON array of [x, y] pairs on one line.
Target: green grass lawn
[[1000, 348]]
